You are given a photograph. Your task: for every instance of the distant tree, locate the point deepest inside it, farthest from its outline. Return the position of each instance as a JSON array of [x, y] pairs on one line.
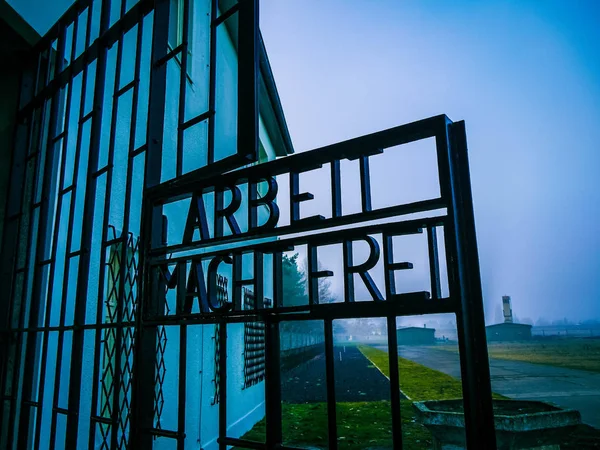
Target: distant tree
[[324, 292], [542, 322], [294, 294], [376, 325], [294, 282], [590, 322], [360, 328]]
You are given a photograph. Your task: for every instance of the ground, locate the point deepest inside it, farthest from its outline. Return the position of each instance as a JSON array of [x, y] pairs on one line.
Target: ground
[[581, 354], [568, 388], [361, 425], [363, 408], [306, 382], [585, 437]]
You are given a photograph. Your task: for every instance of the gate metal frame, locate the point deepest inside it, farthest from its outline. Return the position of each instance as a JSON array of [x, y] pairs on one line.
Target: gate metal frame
[[462, 262], [38, 189], [21, 327]]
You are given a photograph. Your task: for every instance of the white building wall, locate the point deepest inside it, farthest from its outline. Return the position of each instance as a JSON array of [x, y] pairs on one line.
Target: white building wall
[[245, 406]]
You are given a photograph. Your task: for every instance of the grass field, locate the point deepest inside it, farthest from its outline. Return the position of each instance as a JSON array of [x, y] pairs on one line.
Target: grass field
[[360, 425], [417, 381], [365, 425], [583, 354]]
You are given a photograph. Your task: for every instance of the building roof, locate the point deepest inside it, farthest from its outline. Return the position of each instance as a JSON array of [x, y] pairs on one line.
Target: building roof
[[509, 325], [415, 328], [270, 105], [17, 35]]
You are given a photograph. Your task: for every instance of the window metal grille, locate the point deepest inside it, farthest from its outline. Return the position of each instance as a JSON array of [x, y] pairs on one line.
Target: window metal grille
[[217, 360], [254, 343], [222, 295], [122, 275], [160, 369], [160, 372]]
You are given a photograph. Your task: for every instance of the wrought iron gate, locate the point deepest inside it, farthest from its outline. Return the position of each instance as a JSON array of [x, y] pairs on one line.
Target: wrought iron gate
[[457, 223], [87, 270]]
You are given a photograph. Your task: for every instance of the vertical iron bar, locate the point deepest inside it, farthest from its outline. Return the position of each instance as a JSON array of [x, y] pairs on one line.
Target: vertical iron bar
[[259, 280], [394, 381], [434, 262], [126, 214], [43, 231], [252, 210], [294, 192], [54, 250], [222, 384], [67, 263], [313, 282], [86, 237], [273, 383], [454, 282], [390, 290], [151, 236], [336, 189], [182, 86], [212, 98], [365, 184], [277, 279], [331, 407], [143, 395], [116, 380], [182, 387], [348, 276], [479, 416], [219, 202], [388, 260], [158, 86], [247, 137]]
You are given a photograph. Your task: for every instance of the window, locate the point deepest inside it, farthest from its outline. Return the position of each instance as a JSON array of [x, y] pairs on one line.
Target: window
[[114, 282], [262, 153], [262, 158], [176, 23], [222, 295], [176, 20], [254, 343]]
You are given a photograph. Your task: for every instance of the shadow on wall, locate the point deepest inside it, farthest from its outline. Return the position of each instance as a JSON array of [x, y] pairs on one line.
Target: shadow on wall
[[16, 39]]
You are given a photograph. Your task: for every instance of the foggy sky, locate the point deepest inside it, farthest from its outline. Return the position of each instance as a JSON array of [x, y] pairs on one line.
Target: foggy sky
[[524, 75]]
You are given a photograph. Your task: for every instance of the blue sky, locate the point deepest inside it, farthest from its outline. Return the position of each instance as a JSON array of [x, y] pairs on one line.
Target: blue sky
[[524, 75]]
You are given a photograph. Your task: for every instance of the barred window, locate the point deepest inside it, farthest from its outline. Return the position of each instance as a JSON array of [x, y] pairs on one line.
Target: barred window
[[121, 276], [254, 344], [222, 295]]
